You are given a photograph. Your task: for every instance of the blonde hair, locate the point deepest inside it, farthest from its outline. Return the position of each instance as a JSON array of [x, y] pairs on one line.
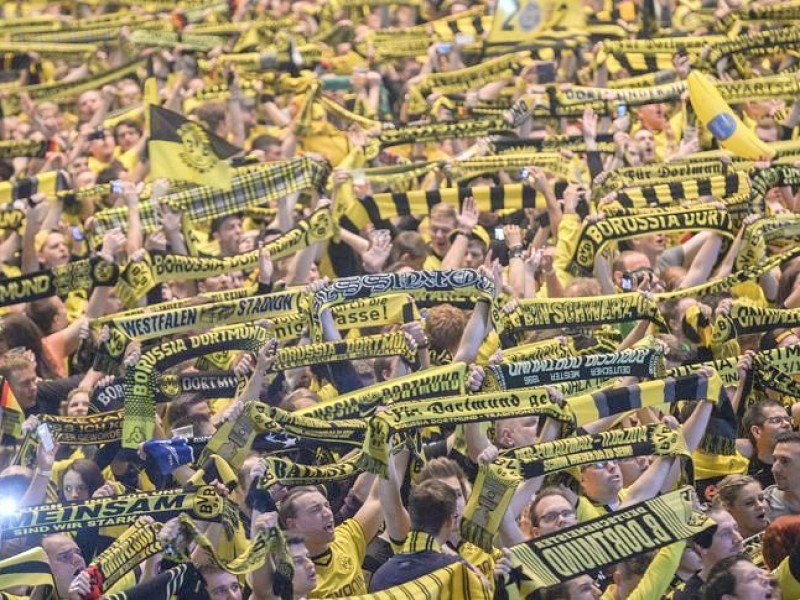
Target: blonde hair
[[729, 488], [444, 210]]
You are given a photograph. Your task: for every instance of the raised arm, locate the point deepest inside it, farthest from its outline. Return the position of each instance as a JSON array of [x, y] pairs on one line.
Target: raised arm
[[467, 221], [395, 514]]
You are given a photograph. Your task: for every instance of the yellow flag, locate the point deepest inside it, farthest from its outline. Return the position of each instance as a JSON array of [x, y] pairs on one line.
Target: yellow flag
[[11, 415], [521, 21], [182, 150]]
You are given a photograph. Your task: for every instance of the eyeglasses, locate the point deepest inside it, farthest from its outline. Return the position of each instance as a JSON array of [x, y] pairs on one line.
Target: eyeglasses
[[778, 420], [68, 556], [601, 464], [555, 515]]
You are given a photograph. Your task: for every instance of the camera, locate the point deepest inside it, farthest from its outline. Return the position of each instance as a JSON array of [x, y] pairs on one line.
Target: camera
[[97, 134], [627, 283]]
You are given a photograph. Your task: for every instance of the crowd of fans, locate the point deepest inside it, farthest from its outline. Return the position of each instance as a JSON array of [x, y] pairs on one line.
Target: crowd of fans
[[368, 533]]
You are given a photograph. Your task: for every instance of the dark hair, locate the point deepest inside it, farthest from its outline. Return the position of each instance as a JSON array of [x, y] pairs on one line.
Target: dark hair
[[178, 409], [754, 415], [721, 579], [431, 505], [127, 123], [264, 141], [211, 114], [787, 437], [636, 566], [217, 223], [90, 474], [20, 331], [6, 170], [559, 591], [111, 173], [43, 312]]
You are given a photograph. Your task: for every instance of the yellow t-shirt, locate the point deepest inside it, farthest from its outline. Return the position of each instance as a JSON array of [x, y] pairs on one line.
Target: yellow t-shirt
[[789, 586], [481, 560], [96, 166], [588, 510], [339, 569], [432, 262]]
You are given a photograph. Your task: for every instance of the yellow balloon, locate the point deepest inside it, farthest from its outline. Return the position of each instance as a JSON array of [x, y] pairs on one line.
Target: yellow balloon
[[722, 122]]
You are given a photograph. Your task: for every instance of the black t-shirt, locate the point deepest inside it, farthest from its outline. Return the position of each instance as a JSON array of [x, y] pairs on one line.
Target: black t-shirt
[[379, 551], [439, 448], [50, 393], [761, 471], [691, 591]]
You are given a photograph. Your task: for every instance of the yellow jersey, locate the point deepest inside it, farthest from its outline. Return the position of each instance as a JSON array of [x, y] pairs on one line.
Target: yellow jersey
[[339, 568]]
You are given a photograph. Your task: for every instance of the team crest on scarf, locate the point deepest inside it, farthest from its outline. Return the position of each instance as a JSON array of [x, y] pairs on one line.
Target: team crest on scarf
[[197, 152], [170, 385]]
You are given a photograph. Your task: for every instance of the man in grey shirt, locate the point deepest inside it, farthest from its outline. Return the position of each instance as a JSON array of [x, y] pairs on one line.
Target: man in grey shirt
[[783, 498]]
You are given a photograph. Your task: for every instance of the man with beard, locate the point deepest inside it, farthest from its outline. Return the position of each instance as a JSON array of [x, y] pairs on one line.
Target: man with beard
[[712, 545], [763, 422], [783, 498]]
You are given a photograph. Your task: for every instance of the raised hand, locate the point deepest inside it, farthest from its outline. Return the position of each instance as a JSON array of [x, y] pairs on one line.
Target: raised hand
[[468, 218]]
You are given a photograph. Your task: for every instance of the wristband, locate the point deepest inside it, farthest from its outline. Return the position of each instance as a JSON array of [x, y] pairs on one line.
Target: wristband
[[458, 232], [516, 252], [48, 473]]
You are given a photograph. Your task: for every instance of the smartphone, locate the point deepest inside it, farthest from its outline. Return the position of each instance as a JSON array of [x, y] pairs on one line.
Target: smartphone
[[627, 283], [116, 187], [54, 145], [464, 38], [546, 73], [97, 134], [77, 234], [359, 177], [43, 432], [183, 432], [444, 48], [524, 174], [622, 110], [498, 234]]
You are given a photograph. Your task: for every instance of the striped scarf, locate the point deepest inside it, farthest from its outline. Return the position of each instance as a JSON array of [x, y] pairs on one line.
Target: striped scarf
[[204, 203]]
